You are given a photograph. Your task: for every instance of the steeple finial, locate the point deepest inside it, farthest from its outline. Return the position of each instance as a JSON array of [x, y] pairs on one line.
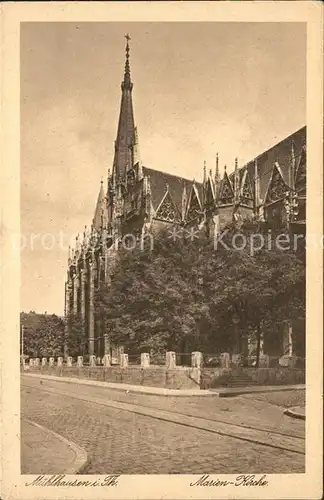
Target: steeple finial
[[127, 84], [205, 171], [236, 182], [217, 177]]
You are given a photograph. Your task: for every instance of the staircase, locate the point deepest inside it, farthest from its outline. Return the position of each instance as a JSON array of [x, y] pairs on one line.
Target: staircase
[[240, 379]]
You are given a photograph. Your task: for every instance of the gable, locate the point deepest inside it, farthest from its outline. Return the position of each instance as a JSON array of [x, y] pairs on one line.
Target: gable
[[246, 187], [226, 194], [210, 197], [167, 210], [158, 181], [277, 186], [194, 207]]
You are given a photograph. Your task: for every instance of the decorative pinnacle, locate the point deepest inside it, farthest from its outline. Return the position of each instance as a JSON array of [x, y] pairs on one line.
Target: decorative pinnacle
[[236, 163], [127, 80], [217, 168]]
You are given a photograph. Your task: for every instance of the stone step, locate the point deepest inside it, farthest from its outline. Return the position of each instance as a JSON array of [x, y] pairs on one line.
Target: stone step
[[240, 380]]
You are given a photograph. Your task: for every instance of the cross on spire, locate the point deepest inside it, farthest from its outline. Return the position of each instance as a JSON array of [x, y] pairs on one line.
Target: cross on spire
[[127, 81]]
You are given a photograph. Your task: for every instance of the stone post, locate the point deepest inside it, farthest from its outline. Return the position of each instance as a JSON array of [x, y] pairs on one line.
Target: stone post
[[170, 360], [60, 361], [264, 361], [31, 363], [92, 360], [69, 361], [124, 360], [196, 359], [145, 360], [51, 362], [44, 361], [237, 359], [287, 339], [91, 272], [36, 363], [106, 360], [225, 360], [80, 362]]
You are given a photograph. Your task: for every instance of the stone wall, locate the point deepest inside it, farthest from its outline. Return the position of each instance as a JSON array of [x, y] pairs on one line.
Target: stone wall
[[220, 377], [153, 376]]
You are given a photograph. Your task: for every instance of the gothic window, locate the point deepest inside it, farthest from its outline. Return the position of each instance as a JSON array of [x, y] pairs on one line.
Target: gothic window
[[227, 194], [194, 207], [277, 188], [275, 215], [247, 190], [167, 210]]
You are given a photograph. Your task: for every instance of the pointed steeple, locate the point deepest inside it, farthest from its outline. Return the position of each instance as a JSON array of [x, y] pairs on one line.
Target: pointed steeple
[[126, 138], [236, 183], [100, 211], [127, 83], [256, 186], [184, 201], [217, 177]]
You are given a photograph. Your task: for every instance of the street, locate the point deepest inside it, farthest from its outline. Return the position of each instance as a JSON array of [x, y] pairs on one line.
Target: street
[[131, 433]]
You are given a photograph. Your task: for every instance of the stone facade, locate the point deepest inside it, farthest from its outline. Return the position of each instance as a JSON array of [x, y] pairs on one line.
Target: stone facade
[[139, 201]]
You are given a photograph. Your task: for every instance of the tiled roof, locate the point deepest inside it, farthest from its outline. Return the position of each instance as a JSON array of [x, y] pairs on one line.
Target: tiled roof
[[158, 181], [280, 153]]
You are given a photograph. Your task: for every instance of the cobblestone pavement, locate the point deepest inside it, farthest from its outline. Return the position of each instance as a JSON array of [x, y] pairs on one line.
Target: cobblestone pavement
[[120, 441]]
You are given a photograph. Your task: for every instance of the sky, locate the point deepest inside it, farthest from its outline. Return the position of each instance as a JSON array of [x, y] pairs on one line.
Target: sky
[[199, 88]]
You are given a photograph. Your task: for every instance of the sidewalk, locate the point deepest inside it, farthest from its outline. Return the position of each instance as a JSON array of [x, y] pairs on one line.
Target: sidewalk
[[296, 412], [159, 391], [46, 452]]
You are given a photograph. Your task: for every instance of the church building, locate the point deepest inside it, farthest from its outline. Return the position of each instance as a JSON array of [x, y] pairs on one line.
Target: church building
[[139, 200]]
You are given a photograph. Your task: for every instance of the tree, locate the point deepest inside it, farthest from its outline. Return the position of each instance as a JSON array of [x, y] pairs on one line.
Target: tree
[[190, 295], [43, 334], [76, 341]]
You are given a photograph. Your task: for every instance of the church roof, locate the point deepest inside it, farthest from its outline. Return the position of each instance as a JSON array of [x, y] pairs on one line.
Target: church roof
[[280, 153], [158, 181]]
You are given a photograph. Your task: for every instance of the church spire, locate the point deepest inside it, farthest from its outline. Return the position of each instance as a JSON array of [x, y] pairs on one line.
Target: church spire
[[100, 211], [125, 140], [127, 83]]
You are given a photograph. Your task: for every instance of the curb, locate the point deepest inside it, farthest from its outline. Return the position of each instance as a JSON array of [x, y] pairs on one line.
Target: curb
[[294, 413], [155, 391], [159, 391], [228, 393], [81, 456]]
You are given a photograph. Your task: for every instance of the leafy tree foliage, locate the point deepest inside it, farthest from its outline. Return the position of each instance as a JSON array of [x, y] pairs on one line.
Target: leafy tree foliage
[[186, 295], [76, 341], [43, 334]]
